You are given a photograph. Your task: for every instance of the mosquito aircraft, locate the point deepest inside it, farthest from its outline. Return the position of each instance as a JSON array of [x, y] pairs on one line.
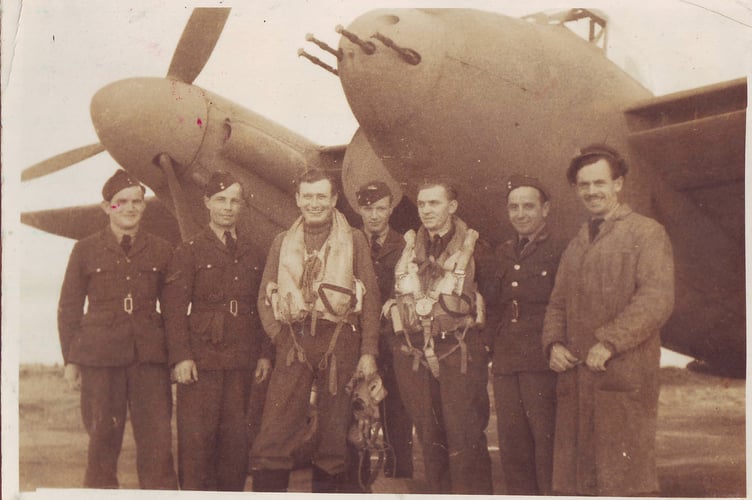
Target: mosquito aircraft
[[462, 93]]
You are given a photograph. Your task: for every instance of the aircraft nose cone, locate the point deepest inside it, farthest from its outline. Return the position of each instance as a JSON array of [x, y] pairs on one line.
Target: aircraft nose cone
[[138, 119]]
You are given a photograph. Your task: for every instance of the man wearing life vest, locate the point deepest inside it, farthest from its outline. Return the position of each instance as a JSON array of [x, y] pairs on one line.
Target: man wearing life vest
[[441, 362], [319, 303]]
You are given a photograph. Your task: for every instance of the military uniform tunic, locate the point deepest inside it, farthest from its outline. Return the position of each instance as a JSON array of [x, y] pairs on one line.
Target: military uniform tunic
[[524, 386], [222, 334], [119, 343]]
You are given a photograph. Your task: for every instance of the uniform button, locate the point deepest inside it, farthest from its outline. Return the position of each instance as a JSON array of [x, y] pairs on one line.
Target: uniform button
[[544, 273], [153, 268], [516, 267], [236, 278], [128, 278], [208, 266], [236, 261], [515, 284], [99, 269]]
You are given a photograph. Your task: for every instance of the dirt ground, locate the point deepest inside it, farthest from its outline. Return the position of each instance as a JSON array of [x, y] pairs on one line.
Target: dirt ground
[[701, 438]]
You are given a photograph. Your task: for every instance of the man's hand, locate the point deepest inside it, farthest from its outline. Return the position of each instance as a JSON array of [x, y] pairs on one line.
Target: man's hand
[[366, 365], [72, 375], [263, 369], [597, 357], [561, 358], [185, 372]]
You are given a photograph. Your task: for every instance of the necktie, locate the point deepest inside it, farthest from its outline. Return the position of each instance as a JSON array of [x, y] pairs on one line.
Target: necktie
[[594, 228], [375, 246], [436, 246], [521, 245], [230, 243], [125, 243]]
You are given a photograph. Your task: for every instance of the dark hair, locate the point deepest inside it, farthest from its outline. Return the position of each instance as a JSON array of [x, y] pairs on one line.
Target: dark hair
[[309, 176], [448, 186], [592, 154]]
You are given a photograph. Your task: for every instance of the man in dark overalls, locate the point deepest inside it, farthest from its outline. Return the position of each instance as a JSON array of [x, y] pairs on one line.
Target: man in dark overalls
[[115, 351]]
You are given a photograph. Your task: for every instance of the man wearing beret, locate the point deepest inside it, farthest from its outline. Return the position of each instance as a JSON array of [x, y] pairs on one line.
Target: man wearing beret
[[317, 304], [614, 290], [375, 205], [517, 291], [218, 347], [115, 350]]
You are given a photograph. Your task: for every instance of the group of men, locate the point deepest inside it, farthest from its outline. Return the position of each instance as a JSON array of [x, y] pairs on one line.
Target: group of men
[[253, 345]]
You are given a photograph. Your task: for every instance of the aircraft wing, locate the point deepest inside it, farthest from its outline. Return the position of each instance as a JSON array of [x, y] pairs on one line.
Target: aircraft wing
[[81, 221], [695, 142]]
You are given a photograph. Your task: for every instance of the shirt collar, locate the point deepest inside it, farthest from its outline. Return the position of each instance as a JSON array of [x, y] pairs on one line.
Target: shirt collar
[[219, 232]]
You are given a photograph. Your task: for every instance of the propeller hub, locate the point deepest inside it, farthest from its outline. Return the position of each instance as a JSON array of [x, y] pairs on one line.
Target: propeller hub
[[140, 118]]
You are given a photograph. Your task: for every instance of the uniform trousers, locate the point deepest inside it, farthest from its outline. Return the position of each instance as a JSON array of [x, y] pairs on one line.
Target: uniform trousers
[[286, 410], [526, 416], [398, 428], [450, 415], [107, 393], [213, 433]]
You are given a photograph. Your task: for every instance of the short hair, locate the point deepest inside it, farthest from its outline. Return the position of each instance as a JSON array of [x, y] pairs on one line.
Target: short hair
[[448, 185], [309, 176], [593, 153]]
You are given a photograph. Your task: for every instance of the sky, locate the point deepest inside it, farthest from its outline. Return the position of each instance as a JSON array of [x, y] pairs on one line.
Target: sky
[[58, 53]]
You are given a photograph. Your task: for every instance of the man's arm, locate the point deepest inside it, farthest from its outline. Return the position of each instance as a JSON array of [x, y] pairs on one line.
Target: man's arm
[[555, 321], [70, 308], [653, 300], [369, 315], [271, 326], [176, 296]]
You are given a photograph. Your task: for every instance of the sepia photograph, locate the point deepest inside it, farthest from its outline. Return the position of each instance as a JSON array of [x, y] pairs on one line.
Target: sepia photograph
[[477, 248]]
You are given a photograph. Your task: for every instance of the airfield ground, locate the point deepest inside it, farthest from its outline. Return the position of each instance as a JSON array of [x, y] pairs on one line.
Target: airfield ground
[[701, 438]]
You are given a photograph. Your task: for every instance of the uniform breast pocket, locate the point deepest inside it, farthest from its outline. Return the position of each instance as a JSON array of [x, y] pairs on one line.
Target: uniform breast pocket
[[101, 280], [149, 275], [209, 281]]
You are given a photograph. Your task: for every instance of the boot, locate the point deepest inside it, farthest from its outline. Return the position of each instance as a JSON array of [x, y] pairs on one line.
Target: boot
[[271, 480], [323, 482]]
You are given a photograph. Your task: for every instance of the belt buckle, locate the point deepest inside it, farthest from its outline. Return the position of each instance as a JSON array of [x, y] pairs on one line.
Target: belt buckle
[[515, 311], [234, 307], [128, 304]]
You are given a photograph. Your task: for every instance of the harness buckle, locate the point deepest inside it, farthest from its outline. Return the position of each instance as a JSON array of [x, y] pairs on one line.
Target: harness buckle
[[128, 304], [234, 307]]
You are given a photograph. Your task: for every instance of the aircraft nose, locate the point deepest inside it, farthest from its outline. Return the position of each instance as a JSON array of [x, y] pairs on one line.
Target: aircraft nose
[[138, 119], [390, 64]]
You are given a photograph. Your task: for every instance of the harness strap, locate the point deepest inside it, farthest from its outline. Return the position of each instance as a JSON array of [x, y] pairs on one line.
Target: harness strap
[[330, 354], [296, 350], [372, 444], [411, 350], [428, 348]]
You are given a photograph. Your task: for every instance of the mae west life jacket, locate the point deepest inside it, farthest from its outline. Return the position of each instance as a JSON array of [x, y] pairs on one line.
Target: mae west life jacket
[[320, 283]]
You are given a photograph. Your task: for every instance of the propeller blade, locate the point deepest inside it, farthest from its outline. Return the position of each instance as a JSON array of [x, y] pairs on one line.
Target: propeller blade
[[61, 161], [197, 42]]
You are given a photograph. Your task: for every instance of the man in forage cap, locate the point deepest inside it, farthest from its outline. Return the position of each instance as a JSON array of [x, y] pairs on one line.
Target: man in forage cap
[[115, 352]]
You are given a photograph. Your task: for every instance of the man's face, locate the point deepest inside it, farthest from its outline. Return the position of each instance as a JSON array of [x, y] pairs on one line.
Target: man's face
[[526, 211], [435, 209], [224, 206], [315, 201], [376, 215], [126, 208], [597, 190]]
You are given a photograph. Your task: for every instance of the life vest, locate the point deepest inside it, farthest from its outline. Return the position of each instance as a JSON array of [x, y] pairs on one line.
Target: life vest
[[321, 281], [435, 302]]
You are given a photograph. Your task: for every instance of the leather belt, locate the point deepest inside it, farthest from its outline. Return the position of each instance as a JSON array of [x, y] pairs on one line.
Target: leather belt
[[517, 310], [232, 306], [126, 304]]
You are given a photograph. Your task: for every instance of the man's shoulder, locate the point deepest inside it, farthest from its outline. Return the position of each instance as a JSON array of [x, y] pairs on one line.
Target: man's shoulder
[[157, 243], [92, 241]]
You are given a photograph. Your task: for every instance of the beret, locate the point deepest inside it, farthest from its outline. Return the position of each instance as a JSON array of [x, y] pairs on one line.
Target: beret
[[372, 192], [119, 181], [219, 181], [518, 180]]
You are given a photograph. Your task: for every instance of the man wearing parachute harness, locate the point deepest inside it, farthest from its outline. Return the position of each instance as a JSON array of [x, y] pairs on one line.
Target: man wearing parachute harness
[[314, 306], [441, 364]]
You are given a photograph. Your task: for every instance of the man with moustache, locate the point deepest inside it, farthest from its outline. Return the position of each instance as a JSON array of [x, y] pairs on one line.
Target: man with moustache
[[440, 358], [217, 348], [614, 290], [375, 205], [115, 350], [319, 304], [524, 385]]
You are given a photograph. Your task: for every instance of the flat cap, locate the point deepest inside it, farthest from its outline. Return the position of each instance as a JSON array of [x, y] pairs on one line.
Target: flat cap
[[372, 192], [519, 180], [119, 181], [219, 181]]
